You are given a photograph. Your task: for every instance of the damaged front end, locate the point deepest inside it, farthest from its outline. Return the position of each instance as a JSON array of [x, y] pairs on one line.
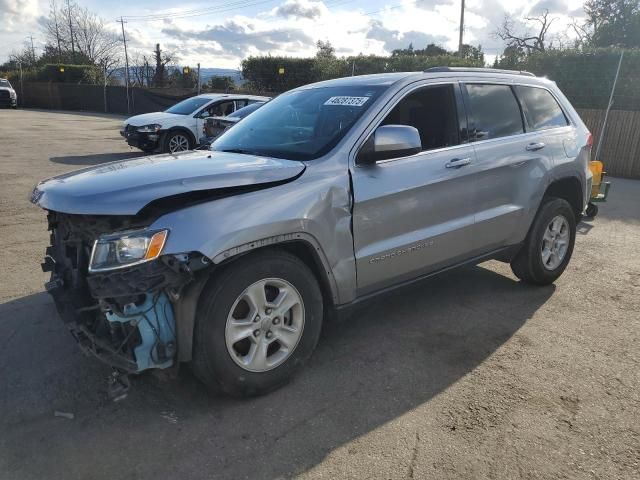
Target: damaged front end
[[116, 292]]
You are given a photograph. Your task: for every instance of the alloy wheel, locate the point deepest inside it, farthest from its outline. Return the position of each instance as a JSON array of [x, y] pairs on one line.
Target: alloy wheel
[[264, 325], [555, 242], [178, 143]]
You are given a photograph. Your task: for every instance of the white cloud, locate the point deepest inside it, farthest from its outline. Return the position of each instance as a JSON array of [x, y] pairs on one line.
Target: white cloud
[[16, 14], [300, 9], [292, 27]]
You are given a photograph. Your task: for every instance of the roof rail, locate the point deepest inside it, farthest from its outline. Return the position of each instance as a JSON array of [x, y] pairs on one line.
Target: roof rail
[[478, 70]]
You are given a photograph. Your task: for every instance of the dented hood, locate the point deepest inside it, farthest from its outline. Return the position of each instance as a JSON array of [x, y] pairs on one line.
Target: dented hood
[[124, 188]]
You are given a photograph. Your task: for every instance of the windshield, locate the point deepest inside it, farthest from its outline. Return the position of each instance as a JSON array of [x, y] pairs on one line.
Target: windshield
[[244, 111], [300, 125], [188, 106], [5, 83]]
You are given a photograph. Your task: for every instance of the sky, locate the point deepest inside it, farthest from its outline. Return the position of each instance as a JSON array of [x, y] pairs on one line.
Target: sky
[[221, 33]]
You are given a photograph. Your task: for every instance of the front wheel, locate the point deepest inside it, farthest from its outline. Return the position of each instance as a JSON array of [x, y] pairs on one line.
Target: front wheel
[[548, 247], [258, 321], [176, 142]]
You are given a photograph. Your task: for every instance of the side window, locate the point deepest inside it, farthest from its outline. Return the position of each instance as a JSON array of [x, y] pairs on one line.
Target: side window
[[432, 111], [540, 108], [220, 109], [495, 111], [241, 104]]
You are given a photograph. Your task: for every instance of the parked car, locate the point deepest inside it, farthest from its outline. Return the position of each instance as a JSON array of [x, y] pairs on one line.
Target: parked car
[[326, 196], [216, 126], [8, 96], [180, 127]]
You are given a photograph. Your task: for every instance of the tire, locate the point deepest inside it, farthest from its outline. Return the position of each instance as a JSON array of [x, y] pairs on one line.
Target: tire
[[534, 264], [225, 304], [180, 137], [592, 210]]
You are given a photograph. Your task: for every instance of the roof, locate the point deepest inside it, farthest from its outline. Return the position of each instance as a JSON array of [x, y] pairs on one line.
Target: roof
[[232, 96], [388, 79], [501, 71]]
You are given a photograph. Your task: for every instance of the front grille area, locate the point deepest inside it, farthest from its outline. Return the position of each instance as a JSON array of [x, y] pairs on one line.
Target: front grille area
[[67, 258], [4, 94]]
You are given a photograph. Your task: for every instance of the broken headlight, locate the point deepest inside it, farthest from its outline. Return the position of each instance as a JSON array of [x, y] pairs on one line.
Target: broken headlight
[[154, 128], [123, 250]]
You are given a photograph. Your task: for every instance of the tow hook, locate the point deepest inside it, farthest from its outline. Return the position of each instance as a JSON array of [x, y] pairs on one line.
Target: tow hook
[[118, 385]]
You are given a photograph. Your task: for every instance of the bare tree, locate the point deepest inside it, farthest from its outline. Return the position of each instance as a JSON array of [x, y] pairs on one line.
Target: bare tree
[[583, 33], [95, 41], [81, 36], [140, 70], [534, 37]]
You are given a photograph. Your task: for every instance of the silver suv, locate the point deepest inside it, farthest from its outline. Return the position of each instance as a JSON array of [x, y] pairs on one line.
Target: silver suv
[[332, 193]]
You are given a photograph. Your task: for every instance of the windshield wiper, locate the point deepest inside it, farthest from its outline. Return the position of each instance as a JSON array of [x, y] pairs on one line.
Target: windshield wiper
[[238, 150]]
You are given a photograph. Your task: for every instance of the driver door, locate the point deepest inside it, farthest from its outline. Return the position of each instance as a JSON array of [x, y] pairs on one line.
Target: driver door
[[215, 109], [414, 214]]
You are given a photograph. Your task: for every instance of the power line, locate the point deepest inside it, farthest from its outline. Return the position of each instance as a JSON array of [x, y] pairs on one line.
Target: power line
[[237, 5]]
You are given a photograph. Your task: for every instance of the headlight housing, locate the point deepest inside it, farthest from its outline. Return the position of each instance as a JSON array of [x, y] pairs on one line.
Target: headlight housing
[[153, 128], [111, 252], [12, 93]]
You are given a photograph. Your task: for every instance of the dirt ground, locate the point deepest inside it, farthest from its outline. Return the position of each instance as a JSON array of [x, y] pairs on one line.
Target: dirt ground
[[468, 375]]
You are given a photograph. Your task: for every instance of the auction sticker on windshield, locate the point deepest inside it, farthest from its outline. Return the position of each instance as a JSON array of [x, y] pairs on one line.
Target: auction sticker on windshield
[[347, 101]]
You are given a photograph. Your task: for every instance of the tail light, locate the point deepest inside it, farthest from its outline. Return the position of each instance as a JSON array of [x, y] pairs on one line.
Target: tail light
[[589, 140]]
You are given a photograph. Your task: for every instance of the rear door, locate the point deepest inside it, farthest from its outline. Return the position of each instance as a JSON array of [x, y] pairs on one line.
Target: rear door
[[511, 163], [414, 214]]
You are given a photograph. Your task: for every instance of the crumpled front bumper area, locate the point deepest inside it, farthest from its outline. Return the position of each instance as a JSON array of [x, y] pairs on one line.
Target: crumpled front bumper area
[[123, 317]]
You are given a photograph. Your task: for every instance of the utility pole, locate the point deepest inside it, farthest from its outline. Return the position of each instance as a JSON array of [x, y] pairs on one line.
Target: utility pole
[[126, 63], [198, 78], [461, 27], [33, 50], [73, 48], [353, 69]]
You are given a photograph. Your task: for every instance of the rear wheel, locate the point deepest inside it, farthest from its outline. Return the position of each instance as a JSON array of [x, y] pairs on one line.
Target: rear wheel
[[548, 247], [258, 321]]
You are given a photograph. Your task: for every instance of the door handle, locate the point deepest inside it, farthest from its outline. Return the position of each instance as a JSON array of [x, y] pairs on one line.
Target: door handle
[[532, 147], [457, 162]]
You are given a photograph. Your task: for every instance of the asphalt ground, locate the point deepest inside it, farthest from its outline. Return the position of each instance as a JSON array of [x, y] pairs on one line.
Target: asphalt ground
[[467, 375]]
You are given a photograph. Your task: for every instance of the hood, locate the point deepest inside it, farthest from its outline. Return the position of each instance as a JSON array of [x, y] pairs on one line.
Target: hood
[[163, 118], [125, 188]]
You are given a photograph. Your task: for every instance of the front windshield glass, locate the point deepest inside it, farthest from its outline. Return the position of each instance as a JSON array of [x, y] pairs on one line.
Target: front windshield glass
[[5, 83], [300, 125], [188, 106]]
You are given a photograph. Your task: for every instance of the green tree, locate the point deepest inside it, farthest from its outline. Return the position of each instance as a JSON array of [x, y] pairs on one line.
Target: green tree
[[226, 84], [325, 49], [614, 22]]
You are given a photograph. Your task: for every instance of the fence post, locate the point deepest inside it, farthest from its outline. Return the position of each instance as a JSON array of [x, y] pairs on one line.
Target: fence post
[[606, 114], [106, 110]]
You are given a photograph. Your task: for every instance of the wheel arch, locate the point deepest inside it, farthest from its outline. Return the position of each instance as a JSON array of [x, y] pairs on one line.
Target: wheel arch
[[569, 189], [302, 245]]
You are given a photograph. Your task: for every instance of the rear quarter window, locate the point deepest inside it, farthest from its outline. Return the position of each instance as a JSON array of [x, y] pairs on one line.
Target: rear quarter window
[[540, 108], [495, 111]]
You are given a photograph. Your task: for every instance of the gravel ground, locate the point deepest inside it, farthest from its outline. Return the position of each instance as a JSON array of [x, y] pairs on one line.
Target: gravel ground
[[468, 375]]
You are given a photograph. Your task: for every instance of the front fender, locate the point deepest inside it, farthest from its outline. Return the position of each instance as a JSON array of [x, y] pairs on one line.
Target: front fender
[[315, 208]]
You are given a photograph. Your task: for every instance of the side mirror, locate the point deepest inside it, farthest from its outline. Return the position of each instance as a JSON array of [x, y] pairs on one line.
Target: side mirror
[[390, 141]]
